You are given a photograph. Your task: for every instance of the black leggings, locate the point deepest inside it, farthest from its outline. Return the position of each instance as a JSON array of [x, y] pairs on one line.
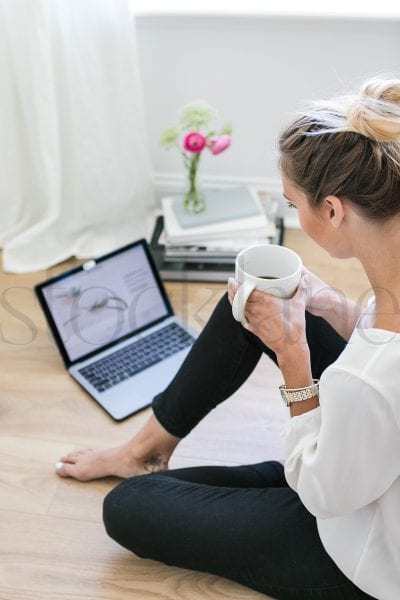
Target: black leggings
[[244, 523]]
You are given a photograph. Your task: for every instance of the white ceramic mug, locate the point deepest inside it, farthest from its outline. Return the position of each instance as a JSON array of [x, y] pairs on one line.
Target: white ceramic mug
[[256, 264]]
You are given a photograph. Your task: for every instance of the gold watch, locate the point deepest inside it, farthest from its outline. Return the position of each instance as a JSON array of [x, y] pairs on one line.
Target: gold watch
[[290, 395]]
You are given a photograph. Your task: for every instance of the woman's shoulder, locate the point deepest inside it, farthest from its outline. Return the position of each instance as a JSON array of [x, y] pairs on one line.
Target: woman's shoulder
[[386, 319], [369, 344], [370, 363]]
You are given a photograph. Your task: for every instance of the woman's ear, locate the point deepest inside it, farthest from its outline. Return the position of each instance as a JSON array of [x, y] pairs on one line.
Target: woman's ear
[[334, 210]]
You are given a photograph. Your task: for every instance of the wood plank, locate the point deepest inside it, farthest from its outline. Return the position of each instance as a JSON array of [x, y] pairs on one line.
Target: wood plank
[[26, 482], [46, 558]]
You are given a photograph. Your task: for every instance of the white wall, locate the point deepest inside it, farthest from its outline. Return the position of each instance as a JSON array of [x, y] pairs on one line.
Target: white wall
[[257, 71]]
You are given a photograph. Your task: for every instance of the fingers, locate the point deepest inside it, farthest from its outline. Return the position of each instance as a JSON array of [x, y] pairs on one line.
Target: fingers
[[301, 288], [232, 288], [256, 296], [264, 302], [246, 325]]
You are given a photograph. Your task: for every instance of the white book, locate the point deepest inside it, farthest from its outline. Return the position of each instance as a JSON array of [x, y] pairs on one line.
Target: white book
[[229, 260], [250, 226], [208, 248], [221, 205]]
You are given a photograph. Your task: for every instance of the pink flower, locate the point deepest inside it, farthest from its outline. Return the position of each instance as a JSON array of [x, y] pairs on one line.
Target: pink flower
[[221, 143], [194, 142]]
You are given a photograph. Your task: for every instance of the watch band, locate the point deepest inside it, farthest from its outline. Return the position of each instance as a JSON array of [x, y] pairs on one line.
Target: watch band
[[290, 395]]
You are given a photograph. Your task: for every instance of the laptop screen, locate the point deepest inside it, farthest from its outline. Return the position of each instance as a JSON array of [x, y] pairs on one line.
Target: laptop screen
[[105, 300]]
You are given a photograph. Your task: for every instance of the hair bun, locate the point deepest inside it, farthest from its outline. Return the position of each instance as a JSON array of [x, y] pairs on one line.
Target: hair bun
[[375, 113]]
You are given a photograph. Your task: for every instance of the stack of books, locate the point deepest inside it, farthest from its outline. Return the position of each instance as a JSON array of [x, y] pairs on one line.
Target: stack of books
[[203, 247]]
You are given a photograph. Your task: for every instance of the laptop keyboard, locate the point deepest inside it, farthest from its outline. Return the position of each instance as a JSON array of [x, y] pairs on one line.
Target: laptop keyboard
[[129, 360]]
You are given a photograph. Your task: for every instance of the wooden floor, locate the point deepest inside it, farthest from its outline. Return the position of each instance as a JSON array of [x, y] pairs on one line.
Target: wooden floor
[[52, 542]]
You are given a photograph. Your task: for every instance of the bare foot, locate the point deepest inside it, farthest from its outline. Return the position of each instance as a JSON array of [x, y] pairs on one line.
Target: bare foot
[[147, 452], [85, 465]]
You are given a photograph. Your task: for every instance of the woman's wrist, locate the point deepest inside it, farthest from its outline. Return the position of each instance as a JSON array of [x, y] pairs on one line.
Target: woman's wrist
[[295, 365], [299, 408]]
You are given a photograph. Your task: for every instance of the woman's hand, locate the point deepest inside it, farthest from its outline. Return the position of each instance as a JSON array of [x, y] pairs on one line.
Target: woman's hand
[[317, 292], [331, 304], [279, 323]]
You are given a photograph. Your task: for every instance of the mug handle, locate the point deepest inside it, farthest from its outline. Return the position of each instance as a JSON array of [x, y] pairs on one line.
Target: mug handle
[[240, 299]]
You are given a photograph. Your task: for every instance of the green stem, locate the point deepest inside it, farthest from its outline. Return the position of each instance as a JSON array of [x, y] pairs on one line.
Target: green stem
[[193, 200], [194, 163], [185, 157]]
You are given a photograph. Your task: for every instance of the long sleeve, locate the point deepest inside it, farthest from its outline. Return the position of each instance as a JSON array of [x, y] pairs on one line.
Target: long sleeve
[[346, 453]]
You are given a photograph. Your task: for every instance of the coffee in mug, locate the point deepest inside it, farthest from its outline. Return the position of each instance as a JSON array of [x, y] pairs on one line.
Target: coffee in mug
[[268, 268]]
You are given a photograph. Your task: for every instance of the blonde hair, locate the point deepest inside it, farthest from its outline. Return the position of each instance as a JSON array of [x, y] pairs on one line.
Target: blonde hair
[[350, 148]]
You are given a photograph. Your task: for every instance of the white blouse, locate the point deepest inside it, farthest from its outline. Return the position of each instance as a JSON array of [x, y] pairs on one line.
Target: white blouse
[[343, 459]]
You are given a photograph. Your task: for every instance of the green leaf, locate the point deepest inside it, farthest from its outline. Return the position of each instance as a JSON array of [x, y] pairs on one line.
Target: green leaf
[[226, 129]]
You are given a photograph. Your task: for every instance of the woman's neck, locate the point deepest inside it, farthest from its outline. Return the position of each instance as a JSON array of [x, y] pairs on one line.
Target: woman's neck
[[378, 250]]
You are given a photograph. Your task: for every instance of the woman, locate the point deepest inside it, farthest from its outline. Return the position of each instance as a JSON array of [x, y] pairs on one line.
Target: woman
[[326, 525]]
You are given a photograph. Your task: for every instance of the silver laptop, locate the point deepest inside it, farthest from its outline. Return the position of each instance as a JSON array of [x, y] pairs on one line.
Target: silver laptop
[[115, 328]]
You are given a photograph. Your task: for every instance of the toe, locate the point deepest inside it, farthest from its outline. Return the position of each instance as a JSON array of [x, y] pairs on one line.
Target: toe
[[62, 468], [74, 470], [72, 457]]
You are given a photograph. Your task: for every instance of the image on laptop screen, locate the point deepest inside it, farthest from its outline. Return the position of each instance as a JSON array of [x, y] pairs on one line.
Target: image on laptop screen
[[118, 296]]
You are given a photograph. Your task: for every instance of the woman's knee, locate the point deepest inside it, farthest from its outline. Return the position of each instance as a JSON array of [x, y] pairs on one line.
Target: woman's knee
[[113, 510], [125, 514]]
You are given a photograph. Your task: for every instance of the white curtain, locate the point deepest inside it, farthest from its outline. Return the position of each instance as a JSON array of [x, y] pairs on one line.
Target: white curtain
[[74, 166]]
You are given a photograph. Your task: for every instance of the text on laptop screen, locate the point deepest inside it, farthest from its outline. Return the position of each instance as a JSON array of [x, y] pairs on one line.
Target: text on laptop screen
[[92, 308]]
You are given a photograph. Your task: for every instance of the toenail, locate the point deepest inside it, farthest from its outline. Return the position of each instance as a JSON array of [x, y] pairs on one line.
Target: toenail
[[59, 465]]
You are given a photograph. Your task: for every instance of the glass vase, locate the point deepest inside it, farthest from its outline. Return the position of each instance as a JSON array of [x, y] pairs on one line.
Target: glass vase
[[194, 200]]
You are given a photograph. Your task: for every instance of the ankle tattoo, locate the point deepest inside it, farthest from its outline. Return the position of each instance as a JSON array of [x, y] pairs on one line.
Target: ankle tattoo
[[155, 462]]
